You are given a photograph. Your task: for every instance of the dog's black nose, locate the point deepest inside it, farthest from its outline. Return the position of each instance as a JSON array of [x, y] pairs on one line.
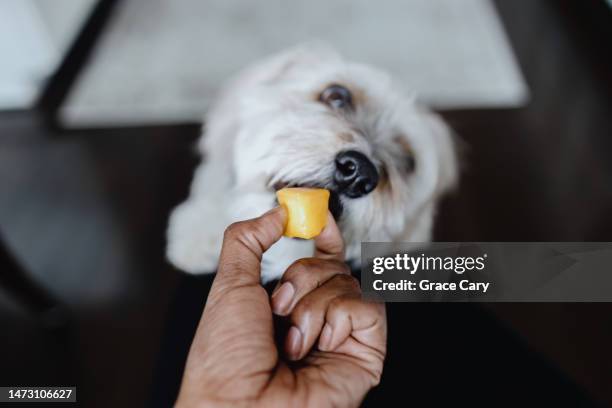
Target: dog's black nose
[[355, 174]]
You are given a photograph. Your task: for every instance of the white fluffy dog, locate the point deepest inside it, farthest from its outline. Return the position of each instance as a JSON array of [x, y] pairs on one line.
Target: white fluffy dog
[[306, 117]]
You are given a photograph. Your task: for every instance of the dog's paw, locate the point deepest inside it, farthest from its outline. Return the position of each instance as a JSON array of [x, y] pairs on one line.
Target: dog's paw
[[194, 238], [193, 257]]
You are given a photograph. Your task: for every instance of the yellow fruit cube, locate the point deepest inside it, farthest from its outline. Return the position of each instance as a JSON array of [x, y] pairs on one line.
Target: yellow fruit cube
[[306, 211]]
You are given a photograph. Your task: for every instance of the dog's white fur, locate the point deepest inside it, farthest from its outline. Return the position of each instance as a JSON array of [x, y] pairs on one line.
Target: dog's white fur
[[268, 126]]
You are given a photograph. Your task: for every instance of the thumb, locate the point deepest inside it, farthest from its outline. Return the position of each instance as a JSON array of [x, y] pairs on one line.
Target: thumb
[[329, 243], [244, 243], [235, 339]]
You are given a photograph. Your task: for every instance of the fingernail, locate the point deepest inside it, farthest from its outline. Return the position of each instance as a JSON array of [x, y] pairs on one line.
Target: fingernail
[[282, 298], [294, 343], [325, 338]]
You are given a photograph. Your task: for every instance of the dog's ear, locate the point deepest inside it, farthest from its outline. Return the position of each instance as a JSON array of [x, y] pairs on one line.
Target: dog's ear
[[446, 144], [441, 152], [281, 65]]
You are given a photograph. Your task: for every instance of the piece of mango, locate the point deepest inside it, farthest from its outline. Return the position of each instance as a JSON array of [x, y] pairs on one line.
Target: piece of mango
[[306, 211]]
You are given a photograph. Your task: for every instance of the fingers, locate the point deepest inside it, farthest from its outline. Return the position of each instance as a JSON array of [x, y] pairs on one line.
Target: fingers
[[329, 243], [350, 316], [308, 315], [301, 278], [307, 274], [357, 330], [244, 244]]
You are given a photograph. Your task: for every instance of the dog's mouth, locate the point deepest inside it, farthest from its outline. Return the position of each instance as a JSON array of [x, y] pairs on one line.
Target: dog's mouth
[[335, 204]]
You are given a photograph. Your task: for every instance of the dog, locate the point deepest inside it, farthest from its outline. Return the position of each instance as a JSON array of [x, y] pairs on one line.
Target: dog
[[307, 117]]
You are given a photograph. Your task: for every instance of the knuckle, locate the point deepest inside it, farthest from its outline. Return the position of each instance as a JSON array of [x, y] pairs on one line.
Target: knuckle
[[343, 268], [303, 264], [336, 303], [234, 230], [257, 228], [297, 271], [380, 308], [344, 303], [247, 232], [376, 376], [302, 310], [348, 281]]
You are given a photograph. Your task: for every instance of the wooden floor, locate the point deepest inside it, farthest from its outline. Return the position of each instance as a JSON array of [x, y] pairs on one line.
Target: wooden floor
[[85, 212]]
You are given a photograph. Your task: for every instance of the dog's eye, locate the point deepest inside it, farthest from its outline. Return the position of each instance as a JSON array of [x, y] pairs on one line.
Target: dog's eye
[[410, 163], [337, 97]]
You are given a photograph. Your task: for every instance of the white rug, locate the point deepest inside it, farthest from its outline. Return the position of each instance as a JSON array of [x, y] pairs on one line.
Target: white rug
[[161, 61]]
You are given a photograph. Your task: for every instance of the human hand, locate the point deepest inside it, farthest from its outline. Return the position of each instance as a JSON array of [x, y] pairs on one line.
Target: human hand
[[233, 358]]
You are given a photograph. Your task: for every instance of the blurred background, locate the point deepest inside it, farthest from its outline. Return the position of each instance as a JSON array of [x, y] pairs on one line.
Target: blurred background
[[101, 102]]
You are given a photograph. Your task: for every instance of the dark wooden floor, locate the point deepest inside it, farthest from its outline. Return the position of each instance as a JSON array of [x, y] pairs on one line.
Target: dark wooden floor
[[85, 212]]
